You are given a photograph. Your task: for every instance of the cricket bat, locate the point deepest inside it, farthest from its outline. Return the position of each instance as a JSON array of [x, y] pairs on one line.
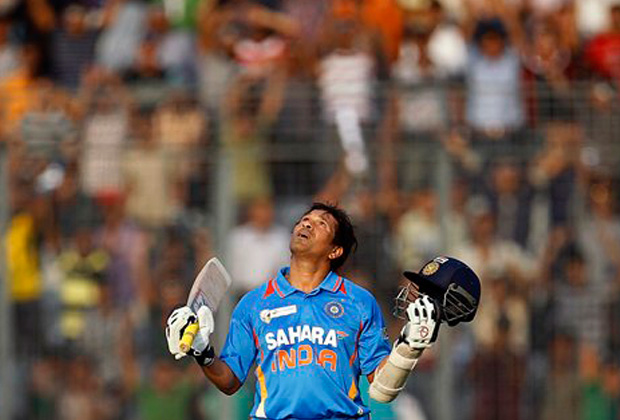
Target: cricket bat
[[208, 289]]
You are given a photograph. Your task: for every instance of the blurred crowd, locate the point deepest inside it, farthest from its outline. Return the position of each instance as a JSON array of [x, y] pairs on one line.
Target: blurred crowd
[[484, 129]]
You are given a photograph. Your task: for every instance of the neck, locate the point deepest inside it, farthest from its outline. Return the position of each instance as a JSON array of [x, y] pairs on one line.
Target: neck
[[307, 274]]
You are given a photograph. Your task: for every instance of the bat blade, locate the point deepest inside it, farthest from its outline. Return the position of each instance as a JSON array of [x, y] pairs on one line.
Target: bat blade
[[209, 287]]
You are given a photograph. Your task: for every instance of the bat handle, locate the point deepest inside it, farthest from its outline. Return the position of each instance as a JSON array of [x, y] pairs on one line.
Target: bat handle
[[188, 337]]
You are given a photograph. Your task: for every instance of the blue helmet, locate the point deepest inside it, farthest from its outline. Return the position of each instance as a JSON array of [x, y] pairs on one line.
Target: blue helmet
[[453, 286]]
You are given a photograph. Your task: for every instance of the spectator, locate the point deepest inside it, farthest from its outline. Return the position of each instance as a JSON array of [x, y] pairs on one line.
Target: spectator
[[599, 233], [264, 47], [72, 47], [146, 78], [124, 29], [108, 341], [218, 33], [18, 90], [603, 51], [251, 108], [578, 302], [497, 375], [73, 208], [173, 48], [180, 130], [510, 199], [258, 248], [46, 128], [310, 16], [23, 237], [548, 58], [503, 302], [346, 77], [9, 53], [419, 108], [592, 16], [495, 107], [418, 234], [79, 398], [489, 256], [44, 390], [126, 244], [613, 317], [555, 170], [600, 386], [562, 388], [84, 269], [350, 65], [151, 179], [494, 103], [105, 131], [418, 73], [166, 395], [179, 123]]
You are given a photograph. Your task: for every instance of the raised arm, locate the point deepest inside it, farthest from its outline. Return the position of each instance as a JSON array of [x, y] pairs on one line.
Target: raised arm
[[419, 333], [216, 370]]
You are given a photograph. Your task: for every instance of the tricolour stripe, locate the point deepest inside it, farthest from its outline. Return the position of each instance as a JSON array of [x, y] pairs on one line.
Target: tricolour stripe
[[260, 411]]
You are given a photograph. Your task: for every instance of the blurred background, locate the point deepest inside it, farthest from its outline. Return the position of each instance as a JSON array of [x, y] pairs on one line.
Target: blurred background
[[138, 138]]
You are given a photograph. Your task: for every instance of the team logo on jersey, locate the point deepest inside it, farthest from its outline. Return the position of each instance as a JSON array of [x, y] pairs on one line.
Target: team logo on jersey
[[334, 309], [266, 315], [342, 335], [430, 268]]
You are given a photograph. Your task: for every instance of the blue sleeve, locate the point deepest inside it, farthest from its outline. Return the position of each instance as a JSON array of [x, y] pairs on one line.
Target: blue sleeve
[[374, 345], [239, 351]]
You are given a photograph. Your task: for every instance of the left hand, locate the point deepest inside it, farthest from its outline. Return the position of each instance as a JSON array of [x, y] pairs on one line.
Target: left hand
[[178, 320], [423, 326]]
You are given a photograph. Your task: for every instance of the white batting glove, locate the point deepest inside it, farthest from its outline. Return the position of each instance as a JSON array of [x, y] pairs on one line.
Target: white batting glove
[[206, 325], [421, 330], [178, 320]]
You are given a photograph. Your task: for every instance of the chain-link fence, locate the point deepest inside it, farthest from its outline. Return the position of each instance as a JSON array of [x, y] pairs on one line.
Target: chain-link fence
[[111, 214], [138, 140]]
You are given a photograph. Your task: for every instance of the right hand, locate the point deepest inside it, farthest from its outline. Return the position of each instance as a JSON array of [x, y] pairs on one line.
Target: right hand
[[423, 326], [179, 319]]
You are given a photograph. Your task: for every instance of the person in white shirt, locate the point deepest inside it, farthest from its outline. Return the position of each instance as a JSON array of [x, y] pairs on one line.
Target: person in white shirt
[[258, 247]]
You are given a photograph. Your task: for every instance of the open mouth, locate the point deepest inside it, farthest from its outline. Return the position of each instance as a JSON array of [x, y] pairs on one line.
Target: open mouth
[[303, 234]]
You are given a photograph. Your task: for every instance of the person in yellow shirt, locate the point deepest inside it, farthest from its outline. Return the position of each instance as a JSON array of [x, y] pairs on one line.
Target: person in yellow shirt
[[84, 268], [23, 269]]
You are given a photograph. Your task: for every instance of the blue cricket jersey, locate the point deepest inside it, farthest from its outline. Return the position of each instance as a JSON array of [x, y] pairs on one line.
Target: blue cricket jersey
[[309, 348]]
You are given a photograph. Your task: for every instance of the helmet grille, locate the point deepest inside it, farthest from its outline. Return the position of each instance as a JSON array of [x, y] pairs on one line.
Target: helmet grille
[[458, 304]]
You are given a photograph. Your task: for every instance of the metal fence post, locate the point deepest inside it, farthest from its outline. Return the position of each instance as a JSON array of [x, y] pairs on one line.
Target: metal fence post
[[6, 352], [224, 212], [444, 382]]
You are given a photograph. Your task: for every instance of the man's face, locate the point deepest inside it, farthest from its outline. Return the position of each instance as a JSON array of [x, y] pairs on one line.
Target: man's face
[[314, 234], [492, 45]]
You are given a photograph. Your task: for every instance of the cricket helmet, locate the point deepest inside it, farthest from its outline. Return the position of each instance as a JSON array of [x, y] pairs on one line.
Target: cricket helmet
[[452, 285]]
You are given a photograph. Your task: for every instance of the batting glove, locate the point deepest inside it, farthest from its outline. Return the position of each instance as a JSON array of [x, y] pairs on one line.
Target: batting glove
[[201, 349], [178, 320], [423, 326]]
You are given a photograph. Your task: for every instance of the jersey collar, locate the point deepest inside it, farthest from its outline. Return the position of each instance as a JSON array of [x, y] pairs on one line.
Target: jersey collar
[[330, 283]]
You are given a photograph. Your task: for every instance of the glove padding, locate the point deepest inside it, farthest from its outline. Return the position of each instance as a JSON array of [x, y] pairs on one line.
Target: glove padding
[[178, 320], [423, 326]]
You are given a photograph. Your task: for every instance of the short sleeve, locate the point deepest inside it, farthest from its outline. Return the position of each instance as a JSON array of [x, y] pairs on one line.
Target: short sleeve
[[239, 351], [374, 345]]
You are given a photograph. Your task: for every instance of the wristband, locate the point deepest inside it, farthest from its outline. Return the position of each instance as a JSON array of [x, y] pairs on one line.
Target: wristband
[[206, 357]]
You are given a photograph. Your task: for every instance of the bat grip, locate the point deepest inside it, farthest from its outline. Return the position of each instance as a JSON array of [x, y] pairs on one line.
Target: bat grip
[[188, 337]]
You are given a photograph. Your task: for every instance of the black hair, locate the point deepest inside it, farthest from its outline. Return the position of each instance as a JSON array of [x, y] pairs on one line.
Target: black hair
[[490, 26], [344, 236]]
